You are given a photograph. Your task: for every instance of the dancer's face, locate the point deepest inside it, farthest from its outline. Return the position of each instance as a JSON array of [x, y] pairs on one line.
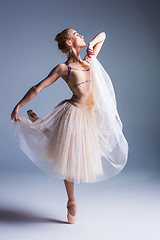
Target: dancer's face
[[77, 39]]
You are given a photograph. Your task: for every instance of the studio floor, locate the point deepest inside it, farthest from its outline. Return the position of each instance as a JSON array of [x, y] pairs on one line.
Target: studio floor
[[33, 207]]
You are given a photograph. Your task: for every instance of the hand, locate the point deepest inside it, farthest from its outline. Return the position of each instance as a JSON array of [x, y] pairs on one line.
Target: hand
[[14, 114], [89, 50]]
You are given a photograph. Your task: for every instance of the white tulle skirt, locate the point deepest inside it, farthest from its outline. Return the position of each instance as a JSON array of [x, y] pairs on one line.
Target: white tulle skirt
[[77, 142], [64, 142]]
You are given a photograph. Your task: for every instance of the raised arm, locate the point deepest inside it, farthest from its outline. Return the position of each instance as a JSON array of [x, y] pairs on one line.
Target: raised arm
[[95, 44], [33, 91]]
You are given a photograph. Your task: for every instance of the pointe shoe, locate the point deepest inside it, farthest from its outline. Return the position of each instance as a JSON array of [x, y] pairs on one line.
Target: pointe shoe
[[71, 218], [32, 115]]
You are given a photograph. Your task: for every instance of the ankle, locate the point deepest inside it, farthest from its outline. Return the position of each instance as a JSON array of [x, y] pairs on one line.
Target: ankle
[[72, 200]]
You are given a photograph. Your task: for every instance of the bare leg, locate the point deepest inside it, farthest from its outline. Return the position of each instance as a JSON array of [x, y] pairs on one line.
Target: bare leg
[[70, 192]]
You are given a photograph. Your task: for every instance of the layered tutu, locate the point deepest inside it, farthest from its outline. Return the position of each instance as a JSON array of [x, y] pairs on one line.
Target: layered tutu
[[77, 142]]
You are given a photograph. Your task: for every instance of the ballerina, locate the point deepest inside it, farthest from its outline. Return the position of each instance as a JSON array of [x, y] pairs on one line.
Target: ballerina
[[81, 139]]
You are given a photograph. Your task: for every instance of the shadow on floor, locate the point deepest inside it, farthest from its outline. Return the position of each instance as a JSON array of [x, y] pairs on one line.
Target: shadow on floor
[[20, 216]]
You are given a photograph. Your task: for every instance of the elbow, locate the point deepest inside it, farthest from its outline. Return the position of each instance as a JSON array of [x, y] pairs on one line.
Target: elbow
[[103, 35], [35, 89]]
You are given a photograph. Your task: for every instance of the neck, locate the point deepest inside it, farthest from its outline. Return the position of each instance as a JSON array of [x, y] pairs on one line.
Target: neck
[[74, 55]]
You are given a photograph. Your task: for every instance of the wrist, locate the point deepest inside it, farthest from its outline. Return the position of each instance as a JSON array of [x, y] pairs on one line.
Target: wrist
[[91, 45]]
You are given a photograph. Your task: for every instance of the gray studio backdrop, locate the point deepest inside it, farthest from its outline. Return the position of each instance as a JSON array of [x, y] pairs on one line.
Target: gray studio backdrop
[[130, 55]]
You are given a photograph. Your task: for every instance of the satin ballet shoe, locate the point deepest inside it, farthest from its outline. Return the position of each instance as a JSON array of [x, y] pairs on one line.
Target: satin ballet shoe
[[71, 218], [32, 115]]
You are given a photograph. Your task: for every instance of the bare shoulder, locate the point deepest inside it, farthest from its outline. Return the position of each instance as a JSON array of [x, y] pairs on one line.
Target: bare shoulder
[[58, 70], [61, 68]]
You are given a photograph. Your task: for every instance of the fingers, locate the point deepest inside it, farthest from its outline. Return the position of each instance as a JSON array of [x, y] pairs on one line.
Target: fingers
[[90, 52], [15, 117], [89, 49], [90, 46], [14, 114]]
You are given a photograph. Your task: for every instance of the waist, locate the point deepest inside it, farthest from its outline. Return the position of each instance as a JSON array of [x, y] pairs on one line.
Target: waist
[[81, 105], [85, 98]]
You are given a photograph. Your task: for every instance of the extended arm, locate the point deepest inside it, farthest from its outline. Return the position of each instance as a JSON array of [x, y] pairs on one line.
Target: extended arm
[[33, 91]]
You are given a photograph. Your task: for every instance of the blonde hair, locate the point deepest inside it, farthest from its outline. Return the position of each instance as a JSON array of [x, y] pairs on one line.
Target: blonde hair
[[61, 39]]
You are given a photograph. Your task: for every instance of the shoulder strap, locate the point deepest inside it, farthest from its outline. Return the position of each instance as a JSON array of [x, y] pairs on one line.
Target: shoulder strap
[[87, 61], [69, 70]]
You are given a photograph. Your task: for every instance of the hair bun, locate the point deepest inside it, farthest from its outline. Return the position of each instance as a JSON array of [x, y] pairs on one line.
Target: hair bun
[[57, 37], [61, 39]]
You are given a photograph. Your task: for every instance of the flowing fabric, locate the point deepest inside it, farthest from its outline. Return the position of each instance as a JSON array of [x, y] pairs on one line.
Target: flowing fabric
[[77, 142], [113, 144]]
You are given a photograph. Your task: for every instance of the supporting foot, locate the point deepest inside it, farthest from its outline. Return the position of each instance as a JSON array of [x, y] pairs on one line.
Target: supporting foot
[[71, 211]]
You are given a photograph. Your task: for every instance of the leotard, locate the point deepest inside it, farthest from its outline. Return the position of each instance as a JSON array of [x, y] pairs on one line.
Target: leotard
[[69, 71]]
